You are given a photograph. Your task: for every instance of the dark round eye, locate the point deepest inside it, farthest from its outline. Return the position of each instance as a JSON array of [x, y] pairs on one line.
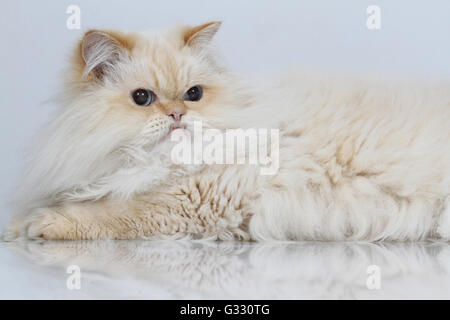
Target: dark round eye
[[194, 94], [142, 97]]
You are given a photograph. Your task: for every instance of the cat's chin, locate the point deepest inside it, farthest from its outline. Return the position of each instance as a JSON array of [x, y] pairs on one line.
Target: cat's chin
[[179, 131]]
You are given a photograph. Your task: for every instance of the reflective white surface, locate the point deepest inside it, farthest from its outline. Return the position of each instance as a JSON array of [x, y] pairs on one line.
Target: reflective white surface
[[226, 270]]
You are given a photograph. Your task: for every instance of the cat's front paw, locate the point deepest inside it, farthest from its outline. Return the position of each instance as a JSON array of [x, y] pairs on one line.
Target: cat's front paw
[[48, 224], [13, 230]]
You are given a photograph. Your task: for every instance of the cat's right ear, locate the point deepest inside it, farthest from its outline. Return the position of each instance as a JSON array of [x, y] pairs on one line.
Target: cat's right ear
[[200, 36], [100, 51]]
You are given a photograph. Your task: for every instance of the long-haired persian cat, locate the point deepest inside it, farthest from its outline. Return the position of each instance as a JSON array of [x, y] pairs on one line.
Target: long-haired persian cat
[[357, 160]]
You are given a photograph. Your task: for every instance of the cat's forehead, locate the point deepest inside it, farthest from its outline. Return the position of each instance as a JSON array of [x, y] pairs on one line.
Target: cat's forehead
[[159, 59]]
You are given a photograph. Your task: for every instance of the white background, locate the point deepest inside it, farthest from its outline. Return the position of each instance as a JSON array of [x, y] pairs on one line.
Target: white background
[[257, 36]]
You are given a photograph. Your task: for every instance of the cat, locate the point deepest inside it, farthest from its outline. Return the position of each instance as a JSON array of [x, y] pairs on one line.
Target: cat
[[362, 160]]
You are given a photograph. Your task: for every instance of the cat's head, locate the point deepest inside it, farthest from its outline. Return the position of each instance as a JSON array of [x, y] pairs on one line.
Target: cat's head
[[125, 94], [163, 80]]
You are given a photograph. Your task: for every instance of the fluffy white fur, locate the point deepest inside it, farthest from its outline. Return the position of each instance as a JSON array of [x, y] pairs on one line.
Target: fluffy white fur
[[359, 160]]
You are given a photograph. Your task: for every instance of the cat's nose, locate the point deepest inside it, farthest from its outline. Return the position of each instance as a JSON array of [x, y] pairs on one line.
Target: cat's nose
[[176, 115], [175, 110]]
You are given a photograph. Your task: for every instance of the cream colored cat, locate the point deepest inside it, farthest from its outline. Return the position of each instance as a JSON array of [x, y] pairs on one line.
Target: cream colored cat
[[359, 160]]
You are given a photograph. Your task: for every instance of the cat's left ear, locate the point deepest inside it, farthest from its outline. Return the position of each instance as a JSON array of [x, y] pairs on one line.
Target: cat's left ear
[[200, 36]]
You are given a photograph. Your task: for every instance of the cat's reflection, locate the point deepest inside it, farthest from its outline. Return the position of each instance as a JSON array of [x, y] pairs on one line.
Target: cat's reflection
[[253, 270]]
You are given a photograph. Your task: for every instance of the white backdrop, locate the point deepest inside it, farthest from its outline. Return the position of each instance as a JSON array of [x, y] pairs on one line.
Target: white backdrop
[[257, 36]]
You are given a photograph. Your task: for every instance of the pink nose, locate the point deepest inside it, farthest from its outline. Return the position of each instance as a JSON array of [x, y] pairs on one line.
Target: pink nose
[[176, 115], [175, 109]]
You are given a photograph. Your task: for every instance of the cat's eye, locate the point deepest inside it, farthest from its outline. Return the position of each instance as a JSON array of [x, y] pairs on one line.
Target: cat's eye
[[143, 97], [194, 94]]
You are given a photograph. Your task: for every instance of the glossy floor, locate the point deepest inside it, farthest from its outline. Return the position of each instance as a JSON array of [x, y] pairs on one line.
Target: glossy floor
[[211, 270]]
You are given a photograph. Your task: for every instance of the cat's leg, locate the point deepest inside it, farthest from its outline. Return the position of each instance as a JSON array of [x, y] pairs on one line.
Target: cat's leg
[[200, 208], [94, 221]]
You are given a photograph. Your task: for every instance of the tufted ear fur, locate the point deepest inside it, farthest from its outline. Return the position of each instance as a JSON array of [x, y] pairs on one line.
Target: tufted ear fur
[[101, 50], [200, 36]]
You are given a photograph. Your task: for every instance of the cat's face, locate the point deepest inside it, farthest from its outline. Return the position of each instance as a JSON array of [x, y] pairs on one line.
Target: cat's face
[[147, 82]]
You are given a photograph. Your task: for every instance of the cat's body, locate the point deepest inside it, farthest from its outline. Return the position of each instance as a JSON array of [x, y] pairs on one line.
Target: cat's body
[[358, 160]]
